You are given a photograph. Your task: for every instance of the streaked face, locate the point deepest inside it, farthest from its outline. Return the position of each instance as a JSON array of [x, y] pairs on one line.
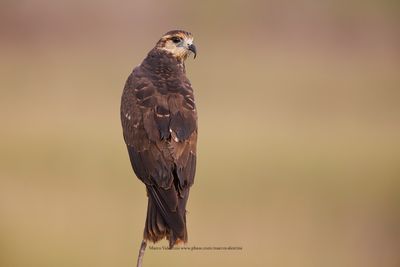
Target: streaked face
[[180, 44]]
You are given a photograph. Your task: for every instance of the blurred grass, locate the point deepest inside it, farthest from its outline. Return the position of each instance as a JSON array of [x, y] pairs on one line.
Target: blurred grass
[[299, 143]]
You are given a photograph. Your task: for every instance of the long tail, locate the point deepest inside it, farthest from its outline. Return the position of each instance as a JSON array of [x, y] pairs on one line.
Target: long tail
[[166, 216]]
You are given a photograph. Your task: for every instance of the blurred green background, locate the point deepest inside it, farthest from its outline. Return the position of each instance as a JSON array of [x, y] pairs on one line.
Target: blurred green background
[[299, 140]]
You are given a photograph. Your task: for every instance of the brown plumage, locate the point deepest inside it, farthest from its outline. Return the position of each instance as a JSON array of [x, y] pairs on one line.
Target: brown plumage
[[159, 122]]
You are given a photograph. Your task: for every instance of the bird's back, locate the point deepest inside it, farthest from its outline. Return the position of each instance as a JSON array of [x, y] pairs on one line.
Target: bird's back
[[159, 121]]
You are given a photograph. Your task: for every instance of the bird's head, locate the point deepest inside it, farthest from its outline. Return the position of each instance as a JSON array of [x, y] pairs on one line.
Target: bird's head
[[178, 43]]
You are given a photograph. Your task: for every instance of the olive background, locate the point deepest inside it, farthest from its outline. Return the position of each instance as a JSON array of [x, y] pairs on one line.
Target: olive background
[[299, 126]]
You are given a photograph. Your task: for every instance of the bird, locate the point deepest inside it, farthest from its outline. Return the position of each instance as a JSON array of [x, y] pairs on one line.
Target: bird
[[159, 124]]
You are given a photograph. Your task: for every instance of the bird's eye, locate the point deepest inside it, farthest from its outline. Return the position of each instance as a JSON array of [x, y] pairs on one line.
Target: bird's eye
[[176, 40]]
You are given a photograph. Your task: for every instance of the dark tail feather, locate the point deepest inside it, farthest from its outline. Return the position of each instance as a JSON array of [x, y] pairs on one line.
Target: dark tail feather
[[163, 222], [155, 228]]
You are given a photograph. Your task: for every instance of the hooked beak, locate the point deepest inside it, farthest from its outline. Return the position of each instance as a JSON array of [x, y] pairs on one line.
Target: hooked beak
[[192, 48]]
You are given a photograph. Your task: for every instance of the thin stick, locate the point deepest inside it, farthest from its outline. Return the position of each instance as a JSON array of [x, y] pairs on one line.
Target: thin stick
[[141, 253]]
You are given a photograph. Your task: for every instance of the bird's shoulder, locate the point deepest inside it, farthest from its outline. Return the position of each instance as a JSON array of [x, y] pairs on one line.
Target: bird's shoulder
[[160, 102], [151, 89]]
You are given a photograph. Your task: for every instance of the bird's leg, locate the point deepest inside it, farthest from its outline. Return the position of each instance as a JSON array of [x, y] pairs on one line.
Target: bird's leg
[[141, 253]]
